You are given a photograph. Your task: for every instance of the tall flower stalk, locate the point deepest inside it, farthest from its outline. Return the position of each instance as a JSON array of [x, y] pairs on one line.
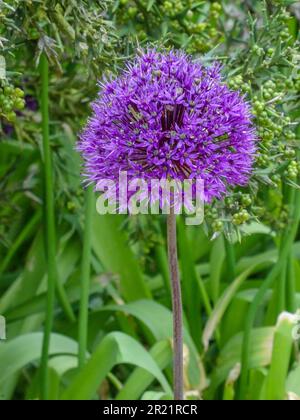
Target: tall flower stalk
[[176, 306], [50, 241]]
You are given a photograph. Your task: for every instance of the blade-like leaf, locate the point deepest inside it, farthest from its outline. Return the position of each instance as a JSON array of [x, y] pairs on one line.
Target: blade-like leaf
[[159, 321], [140, 379], [116, 348], [25, 349], [221, 307], [261, 352], [111, 246], [282, 348]]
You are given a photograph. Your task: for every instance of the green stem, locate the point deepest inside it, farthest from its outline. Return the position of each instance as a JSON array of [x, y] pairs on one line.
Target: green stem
[[49, 225], [282, 282], [230, 259], [285, 251], [281, 295], [291, 286], [64, 301], [85, 277]]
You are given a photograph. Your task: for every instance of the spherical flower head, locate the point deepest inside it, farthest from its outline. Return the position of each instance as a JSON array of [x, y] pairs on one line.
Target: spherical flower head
[[169, 117]]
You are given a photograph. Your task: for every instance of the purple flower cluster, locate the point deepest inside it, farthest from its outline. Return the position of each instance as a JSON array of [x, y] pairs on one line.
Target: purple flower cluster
[[167, 116]]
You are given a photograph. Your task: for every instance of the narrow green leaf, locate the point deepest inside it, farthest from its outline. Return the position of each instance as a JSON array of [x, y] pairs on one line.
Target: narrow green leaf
[[217, 257], [293, 381], [282, 348], [260, 354], [158, 319], [112, 248], [25, 349], [150, 5], [221, 307], [140, 379], [189, 282], [116, 348]]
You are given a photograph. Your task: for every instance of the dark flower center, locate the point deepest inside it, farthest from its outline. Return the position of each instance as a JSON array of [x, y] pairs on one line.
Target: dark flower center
[[172, 116]]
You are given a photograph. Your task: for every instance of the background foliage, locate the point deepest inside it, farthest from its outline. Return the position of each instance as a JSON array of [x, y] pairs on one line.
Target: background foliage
[[236, 287]]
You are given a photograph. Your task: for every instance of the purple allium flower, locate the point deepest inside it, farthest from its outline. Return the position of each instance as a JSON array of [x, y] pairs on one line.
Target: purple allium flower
[[167, 116]]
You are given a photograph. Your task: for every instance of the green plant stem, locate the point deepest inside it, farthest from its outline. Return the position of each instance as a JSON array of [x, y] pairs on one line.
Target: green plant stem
[[64, 301], [177, 307], [291, 286], [85, 277], [115, 382], [281, 286], [285, 252], [281, 296], [230, 259], [50, 242]]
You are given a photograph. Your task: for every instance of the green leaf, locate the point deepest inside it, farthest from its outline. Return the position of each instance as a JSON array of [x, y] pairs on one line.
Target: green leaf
[[221, 307], [150, 5], [28, 282], [158, 320], [140, 379], [116, 348], [2, 67], [257, 378], [256, 228], [111, 246], [293, 381], [282, 348], [25, 349], [229, 389], [156, 396], [230, 356], [189, 281], [63, 364], [36, 298]]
